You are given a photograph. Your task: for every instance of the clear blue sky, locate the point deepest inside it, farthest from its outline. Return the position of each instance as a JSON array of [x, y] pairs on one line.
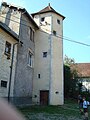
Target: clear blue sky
[[76, 25]]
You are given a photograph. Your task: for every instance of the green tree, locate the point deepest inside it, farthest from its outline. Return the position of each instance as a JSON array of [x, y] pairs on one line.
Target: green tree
[[68, 61], [70, 78], [67, 79]]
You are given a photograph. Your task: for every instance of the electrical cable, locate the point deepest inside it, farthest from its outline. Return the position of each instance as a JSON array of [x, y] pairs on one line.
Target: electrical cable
[[58, 36]]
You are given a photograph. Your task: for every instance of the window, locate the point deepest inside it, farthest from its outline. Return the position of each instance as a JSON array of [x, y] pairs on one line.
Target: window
[[54, 32], [42, 19], [44, 54], [30, 59], [3, 83], [7, 48], [13, 11], [58, 21], [31, 34], [39, 76]]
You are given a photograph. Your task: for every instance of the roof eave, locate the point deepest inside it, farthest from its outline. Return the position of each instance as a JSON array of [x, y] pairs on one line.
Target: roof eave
[[29, 16], [33, 14], [9, 31]]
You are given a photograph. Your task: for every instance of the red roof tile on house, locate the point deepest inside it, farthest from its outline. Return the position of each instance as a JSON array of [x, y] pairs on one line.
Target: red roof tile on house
[[83, 69]]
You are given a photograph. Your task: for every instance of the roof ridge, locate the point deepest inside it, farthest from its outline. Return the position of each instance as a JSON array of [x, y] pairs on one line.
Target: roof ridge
[[47, 9]]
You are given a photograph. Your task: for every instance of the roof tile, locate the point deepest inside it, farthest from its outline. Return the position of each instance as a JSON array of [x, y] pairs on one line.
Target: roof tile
[[83, 69]]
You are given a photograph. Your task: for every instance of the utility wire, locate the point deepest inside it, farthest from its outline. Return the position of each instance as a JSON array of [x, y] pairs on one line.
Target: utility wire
[[58, 36], [64, 37]]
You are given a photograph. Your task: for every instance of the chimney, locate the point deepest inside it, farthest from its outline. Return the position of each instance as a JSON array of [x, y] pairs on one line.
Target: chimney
[[49, 4]]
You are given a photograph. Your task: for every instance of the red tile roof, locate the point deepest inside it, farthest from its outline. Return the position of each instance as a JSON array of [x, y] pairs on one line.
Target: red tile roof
[[83, 69]]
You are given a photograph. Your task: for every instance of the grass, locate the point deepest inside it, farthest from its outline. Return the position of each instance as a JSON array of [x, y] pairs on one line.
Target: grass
[[68, 111]]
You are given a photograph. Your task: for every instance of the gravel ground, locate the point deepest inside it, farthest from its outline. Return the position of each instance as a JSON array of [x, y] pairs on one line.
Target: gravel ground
[[45, 116]]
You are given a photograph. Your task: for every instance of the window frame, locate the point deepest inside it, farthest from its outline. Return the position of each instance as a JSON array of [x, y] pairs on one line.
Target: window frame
[[7, 50], [30, 58], [31, 34]]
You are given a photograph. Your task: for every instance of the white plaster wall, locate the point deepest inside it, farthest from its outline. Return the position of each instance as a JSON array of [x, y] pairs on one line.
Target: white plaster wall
[[51, 76], [46, 24], [57, 63], [56, 73], [42, 65]]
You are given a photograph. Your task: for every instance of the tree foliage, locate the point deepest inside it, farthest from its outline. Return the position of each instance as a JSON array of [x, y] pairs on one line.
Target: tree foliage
[[70, 78], [68, 61]]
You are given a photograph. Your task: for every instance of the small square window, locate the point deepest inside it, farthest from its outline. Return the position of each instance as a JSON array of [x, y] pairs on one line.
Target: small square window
[[3, 83], [54, 32], [7, 48], [39, 76], [44, 54], [58, 21], [42, 19]]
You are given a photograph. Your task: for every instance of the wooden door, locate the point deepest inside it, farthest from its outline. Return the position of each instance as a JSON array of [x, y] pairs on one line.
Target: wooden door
[[44, 97]]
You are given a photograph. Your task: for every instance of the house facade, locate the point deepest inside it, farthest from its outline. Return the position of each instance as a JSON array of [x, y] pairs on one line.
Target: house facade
[[38, 73], [83, 70], [7, 39], [19, 21]]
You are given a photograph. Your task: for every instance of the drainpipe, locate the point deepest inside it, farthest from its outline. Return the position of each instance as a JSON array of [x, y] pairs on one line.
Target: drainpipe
[[10, 78]]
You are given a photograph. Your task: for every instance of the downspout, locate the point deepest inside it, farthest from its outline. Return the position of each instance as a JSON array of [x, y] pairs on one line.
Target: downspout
[[9, 89], [11, 68]]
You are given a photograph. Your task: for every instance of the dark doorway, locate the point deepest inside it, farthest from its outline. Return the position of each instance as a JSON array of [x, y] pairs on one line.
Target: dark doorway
[[44, 97]]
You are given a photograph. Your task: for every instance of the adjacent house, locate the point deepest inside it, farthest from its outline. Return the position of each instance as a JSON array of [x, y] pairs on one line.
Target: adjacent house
[[7, 39], [37, 72], [83, 70], [20, 22]]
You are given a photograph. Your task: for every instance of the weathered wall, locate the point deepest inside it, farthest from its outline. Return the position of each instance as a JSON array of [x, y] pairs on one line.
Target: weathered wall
[[11, 17], [6, 63], [24, 73], [22, 85]]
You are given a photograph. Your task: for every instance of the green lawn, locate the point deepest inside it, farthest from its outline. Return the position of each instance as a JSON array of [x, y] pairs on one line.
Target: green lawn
[[69, 111]]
